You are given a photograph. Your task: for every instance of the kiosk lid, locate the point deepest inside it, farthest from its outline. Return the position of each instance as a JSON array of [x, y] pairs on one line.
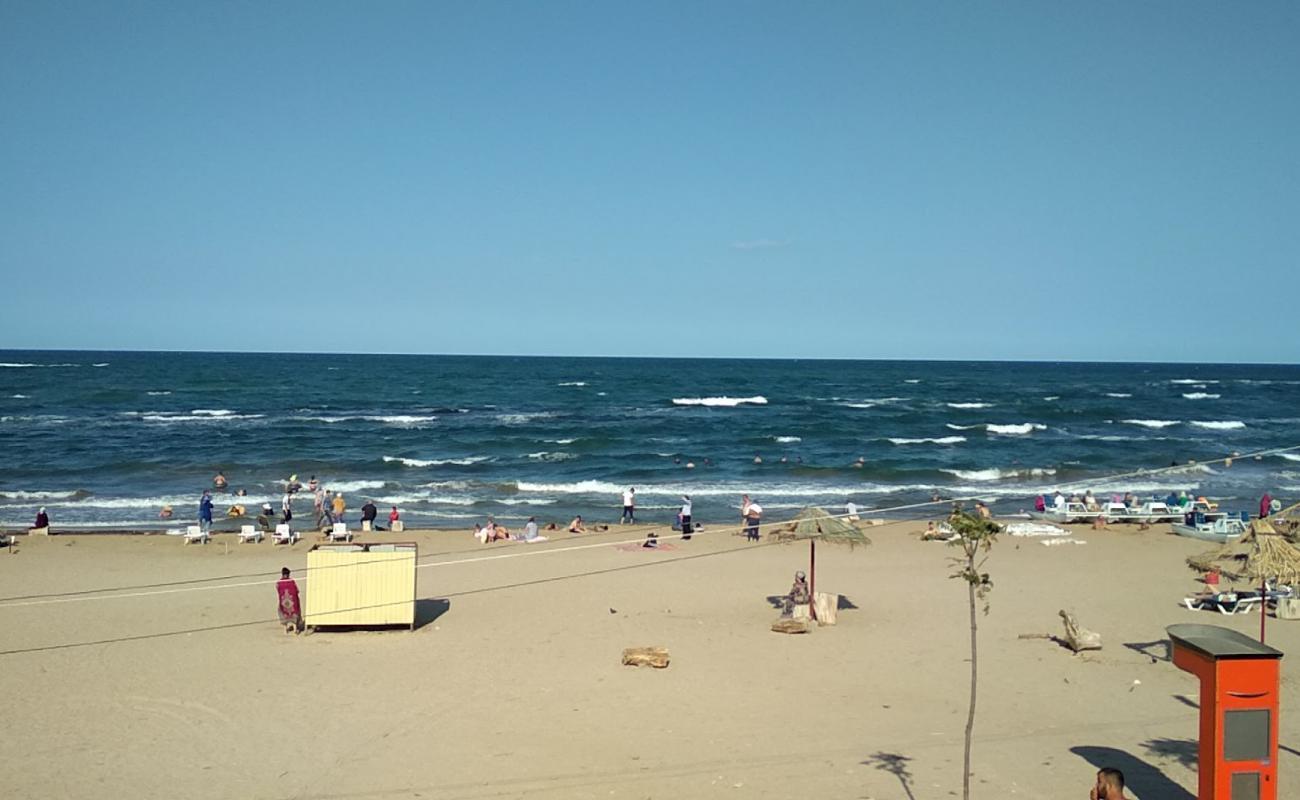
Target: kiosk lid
[[1217, 642]]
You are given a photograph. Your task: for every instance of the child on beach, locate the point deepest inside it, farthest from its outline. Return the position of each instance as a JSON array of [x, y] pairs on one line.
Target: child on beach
[[289, 608]]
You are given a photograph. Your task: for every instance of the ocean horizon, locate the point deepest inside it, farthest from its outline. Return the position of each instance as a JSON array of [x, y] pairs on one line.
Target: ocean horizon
[[104, 439]]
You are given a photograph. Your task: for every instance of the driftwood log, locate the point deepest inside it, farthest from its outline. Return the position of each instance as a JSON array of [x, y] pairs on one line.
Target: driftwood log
[[787, 625], [656, 657], [1077, 637]]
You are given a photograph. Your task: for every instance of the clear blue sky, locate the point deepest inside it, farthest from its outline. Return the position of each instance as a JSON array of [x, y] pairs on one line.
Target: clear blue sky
[[1110, 180]]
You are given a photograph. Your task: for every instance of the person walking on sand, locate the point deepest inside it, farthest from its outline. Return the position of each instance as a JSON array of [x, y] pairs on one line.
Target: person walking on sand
[[205, 512], [752, 514], [318, 506], [289, 607], [629, 507], [340, 506], [687, 530]]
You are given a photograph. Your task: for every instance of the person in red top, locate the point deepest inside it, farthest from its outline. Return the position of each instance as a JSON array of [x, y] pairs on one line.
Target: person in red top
[[290, 609], [1265, 505], [393, 516]]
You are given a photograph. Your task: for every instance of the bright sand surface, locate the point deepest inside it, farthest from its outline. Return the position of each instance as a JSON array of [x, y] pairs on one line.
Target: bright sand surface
[[512, 686]]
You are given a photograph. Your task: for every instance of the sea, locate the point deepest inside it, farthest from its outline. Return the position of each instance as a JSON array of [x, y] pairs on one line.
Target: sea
[[104, 440]]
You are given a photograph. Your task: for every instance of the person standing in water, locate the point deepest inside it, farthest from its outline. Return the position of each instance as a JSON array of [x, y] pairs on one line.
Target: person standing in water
[[219, 482], [629, 506]]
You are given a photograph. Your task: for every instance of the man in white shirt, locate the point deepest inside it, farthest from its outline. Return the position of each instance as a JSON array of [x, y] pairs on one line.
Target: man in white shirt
[[752, 513], [629, 507], [686, 517], [852, 509]]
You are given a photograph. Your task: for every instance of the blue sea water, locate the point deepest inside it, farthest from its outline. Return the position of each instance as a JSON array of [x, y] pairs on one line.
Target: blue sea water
[[105, 439]]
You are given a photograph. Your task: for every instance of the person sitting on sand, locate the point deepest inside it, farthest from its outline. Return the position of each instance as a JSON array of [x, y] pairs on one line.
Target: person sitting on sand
[[530, 530], [799, 595], [289, 607], [576, 526], [551, 526], [393, 516], [42, 520], [1109, 786]]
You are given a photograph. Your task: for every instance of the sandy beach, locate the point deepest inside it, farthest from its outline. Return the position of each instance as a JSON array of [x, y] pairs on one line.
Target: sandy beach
[[512, 684]]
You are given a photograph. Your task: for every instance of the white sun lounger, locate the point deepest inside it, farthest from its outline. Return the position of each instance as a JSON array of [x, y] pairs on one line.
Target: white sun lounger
[[340, 533], [250, 533], [284, 535], [195, 534]]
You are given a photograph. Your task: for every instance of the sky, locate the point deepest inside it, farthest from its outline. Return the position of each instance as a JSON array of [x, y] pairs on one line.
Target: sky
[[1108, 181]]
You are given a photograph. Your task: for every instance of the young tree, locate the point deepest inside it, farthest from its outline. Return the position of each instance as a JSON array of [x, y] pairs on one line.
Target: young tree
[[975, 537]]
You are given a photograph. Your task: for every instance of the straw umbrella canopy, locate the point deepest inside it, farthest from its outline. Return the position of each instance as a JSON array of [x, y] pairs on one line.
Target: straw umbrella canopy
[[1288, 519], [815, 524], [1260, 555]]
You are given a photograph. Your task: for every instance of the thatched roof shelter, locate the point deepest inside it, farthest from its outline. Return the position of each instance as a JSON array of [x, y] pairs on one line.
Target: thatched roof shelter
[[815, 524], [1262, 553]]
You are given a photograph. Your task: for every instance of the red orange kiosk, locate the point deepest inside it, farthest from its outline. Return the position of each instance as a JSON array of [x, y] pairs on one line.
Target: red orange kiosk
[[1239, 708]]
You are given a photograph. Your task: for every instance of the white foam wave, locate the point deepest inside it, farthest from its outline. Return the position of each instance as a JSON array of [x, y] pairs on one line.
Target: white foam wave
[[1289, 456], [523, 418], [102, 364], [1118, 394], [858, 405], [438, 462], [157, 394], [572, 383], [559, 441], [1190, 381], [1015, 430], [1052, 397], [1151, 423], [353, 486], [953, 427], [403, 420], [940, 440], [724, 402], [970, 405], [20, 396], [12, 365], [995, 474], [707, 490], [198, 416], [19, 494], [549, 456], [788, 439], [1225, 425], [912, 380], [1201, 396]]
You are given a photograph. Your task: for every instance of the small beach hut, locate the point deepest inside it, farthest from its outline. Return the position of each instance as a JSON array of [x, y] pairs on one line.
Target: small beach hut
[[1260, 555], [360, 585], [815, 524]]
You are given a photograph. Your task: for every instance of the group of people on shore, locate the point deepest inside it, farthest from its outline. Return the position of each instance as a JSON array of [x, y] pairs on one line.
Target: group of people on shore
[[329, 508]]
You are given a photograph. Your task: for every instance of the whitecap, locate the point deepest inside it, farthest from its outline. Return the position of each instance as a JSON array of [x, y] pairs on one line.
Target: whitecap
[[940, 440], [523, 418], [953, 427], [1151, 423], [572, 383], [994, 474], [1201, 396], [1118, 394], [157, 394], [103, 364], [1015, 430], [1288, 456], [21, 397], [858, 405], [912, 380], [354, 486], [970, 405], [788, 439], [1228, 425], [725, 402], [550, 456], [12, 365], [404, 420], [198, 417], [437, 462], [559, 441], [1191, 381], [19, 494]]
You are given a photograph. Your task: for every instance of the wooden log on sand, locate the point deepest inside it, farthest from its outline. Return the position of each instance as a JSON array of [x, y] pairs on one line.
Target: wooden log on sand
[[787, 625]]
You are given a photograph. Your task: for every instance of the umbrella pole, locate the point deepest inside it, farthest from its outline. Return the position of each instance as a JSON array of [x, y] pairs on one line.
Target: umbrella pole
[[812, 578], [1263, 608]]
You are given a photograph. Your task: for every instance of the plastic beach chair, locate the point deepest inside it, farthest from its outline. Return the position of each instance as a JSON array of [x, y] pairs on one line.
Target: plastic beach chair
[[340, 533], [249, 533], [196, 534], [284, 535]]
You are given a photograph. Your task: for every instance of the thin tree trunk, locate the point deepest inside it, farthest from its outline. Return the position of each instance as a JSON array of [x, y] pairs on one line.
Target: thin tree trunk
[[974, 672]]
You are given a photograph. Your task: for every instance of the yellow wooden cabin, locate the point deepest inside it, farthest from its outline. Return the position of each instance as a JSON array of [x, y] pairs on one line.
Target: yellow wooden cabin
[[360, 585]]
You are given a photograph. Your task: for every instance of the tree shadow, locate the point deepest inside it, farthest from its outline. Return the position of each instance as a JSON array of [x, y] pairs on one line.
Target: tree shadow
[[1145, 780], [1157, 650], [895, 764], [1184, 751]]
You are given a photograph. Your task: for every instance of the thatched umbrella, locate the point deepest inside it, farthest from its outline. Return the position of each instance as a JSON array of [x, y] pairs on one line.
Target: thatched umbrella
[[1259, 555], [815, 523], [1288, 520]]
